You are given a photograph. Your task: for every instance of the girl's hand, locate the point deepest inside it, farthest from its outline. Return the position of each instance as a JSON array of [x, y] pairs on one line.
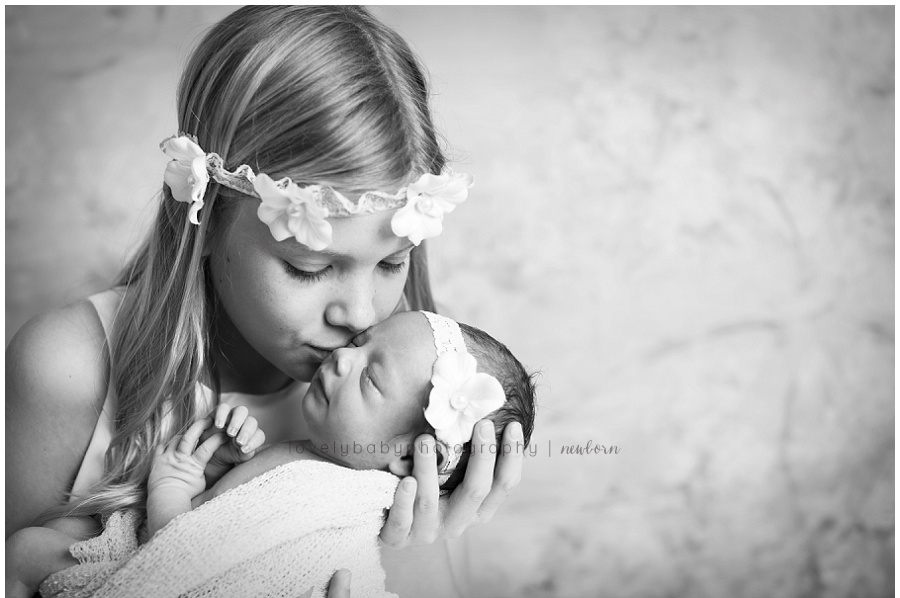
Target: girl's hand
[[418, 516], [178, 466], [339, 586], [244, 438]]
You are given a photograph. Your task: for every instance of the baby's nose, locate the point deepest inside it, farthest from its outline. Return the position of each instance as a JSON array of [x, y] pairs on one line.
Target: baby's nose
[[343, 361]]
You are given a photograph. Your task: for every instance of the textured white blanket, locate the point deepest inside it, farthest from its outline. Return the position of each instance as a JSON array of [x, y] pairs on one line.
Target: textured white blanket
[[282, 534]]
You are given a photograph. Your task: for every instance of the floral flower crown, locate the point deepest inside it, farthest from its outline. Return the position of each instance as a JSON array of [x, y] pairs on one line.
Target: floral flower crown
[[300, 212], [460, 396]]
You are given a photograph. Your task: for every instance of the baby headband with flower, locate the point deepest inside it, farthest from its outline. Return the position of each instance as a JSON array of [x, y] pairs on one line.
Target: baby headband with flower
[[459, 396], [290, 210]]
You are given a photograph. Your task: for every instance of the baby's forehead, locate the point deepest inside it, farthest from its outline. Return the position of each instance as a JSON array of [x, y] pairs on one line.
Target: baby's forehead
[[404, 346], [411, 328]]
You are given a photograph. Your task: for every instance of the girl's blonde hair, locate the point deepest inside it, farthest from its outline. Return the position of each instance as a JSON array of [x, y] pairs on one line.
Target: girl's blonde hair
[[321, 94]]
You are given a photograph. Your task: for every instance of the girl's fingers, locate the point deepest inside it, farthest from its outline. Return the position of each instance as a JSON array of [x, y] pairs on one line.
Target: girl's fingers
[[206, 450], [395, 532], [426, 516], [238, 415], [339, 586], [246, 432], [508, 472], [189, 441], [471, 493]]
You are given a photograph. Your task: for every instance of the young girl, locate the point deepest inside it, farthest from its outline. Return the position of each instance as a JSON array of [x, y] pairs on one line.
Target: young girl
[[239, 293], [413, 373]]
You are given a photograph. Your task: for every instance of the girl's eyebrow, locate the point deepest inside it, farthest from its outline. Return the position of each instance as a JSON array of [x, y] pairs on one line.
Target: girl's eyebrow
[[300, 250]]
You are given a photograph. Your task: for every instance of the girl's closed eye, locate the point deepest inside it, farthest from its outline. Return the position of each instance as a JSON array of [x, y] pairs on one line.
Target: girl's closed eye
[[393, 267], [305, 275], [317, 275]]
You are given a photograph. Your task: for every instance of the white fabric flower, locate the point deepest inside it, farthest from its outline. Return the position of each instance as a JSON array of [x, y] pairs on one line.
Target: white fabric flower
[[460, 397], [186, 174], [427, 200], [292, 212]]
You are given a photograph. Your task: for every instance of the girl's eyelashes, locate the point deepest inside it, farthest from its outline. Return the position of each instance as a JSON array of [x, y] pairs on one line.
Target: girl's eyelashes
[[305, 275], [393, 268], [317, 275]]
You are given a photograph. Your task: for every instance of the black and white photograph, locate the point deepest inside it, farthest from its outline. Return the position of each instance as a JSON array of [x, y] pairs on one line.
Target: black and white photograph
[[407, 301]]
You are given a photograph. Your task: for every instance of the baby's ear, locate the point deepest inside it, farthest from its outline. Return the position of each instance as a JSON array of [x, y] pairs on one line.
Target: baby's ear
[[401, 463], [442, 453]]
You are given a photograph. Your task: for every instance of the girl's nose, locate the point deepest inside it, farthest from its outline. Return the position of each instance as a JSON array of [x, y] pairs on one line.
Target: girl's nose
[[353, 307]]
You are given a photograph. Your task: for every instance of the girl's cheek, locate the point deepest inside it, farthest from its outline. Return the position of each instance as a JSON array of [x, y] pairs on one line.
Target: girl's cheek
[[388, 297]]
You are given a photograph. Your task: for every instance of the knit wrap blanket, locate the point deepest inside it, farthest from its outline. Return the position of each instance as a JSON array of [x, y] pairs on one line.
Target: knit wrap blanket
[[282, 534]]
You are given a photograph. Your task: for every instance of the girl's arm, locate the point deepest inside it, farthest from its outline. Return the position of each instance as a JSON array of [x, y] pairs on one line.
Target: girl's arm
[[56, 380], [32, 554]]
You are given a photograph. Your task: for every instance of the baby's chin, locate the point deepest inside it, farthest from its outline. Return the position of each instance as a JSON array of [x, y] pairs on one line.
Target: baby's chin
[[353, 455]]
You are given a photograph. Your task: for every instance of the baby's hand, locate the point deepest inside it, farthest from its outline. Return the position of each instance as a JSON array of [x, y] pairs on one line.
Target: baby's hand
[[179, 465], [245, 438]]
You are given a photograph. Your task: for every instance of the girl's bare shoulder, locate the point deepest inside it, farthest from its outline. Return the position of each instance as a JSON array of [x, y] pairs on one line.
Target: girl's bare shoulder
[[59, 359], [56, 377]]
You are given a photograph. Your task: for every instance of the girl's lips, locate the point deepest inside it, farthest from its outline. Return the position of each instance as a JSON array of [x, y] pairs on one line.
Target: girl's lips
[[321, 353]]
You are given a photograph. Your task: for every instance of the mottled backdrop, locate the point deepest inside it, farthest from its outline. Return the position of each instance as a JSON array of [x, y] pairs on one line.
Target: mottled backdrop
[[683, 217]]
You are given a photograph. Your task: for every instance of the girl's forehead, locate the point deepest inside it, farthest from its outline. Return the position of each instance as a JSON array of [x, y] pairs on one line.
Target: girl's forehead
[[363, 234]]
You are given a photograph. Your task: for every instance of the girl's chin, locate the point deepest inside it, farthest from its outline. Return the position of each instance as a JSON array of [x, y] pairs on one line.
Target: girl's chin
[[302, 371], [305, 363]]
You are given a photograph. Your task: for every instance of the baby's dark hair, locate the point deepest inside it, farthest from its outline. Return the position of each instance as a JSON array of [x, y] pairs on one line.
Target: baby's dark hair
[[496, 359]]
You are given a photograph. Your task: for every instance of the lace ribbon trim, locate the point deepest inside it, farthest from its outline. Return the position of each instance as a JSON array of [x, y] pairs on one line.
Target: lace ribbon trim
[[448, 337], [336, 204]]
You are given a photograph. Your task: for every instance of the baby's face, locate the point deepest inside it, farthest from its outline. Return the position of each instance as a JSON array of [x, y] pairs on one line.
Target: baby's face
[[369, 396]]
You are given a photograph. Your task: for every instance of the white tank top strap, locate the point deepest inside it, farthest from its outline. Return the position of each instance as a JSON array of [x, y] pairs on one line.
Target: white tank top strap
[[107, 306]]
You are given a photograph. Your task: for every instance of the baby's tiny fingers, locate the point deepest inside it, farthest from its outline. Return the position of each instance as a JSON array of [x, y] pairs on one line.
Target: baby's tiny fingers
[[247, 430], [205, 451], [238, 415], [189, 441], [221, 415], [257, 440]]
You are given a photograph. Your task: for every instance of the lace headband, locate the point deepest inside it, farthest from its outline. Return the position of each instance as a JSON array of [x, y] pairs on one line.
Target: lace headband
[[460, 396], [290, 210]]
